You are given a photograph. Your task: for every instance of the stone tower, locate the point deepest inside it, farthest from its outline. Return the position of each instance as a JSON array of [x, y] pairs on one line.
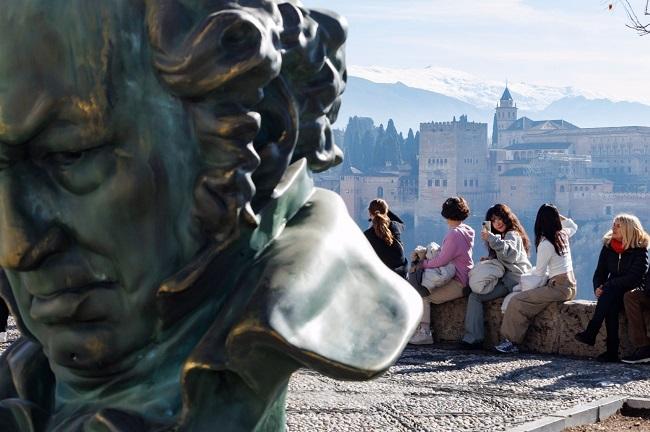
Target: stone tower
[[453, 161], [505, 115]]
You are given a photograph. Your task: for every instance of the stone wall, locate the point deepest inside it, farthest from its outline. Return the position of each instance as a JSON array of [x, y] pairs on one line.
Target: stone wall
[[551, 332]]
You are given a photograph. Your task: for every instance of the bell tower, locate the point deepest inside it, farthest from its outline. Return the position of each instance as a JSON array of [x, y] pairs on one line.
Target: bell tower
[[505, 115]]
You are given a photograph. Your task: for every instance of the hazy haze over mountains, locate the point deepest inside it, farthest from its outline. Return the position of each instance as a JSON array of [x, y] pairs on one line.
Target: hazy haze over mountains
[[412, 96]]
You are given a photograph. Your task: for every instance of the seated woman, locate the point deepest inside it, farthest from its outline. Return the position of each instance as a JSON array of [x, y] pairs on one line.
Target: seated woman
[[552, 232], [384, 236], [637, 311], [456, 249], [508, 243], [621, 267]]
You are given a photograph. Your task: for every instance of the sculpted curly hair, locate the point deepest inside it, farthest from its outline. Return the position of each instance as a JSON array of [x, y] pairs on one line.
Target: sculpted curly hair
[[262, 81]]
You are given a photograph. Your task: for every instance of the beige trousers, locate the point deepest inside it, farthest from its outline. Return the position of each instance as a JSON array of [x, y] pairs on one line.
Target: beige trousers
[[450, 291], [526, 305]]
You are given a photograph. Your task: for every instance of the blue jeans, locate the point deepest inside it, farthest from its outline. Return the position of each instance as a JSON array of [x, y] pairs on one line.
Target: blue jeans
[[474, 326]]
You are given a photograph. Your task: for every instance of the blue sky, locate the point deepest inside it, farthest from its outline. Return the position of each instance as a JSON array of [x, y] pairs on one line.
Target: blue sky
[[577, 43]]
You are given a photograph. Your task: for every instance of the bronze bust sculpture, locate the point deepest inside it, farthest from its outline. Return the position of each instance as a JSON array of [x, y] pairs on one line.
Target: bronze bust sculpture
[[164, 251]]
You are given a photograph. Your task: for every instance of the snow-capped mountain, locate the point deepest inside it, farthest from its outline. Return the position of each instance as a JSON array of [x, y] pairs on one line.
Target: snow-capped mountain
[[469, 88]]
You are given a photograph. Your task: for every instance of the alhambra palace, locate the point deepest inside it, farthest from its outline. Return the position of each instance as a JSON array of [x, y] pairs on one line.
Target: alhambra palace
[[590, 173]]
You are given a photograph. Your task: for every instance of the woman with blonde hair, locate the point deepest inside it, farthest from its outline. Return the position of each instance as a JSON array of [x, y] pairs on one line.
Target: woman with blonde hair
[[621, 267], [384, 236]]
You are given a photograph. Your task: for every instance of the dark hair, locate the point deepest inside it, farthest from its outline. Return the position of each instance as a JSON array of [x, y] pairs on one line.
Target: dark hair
[[378, 209], [511, 221], [455, 208], [548, 225]]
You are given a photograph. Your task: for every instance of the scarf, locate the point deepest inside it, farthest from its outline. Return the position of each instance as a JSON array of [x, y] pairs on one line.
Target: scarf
[[617, 246]]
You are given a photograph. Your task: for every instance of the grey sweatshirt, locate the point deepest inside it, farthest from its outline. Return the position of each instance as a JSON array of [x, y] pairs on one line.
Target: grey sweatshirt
[[510, 251]]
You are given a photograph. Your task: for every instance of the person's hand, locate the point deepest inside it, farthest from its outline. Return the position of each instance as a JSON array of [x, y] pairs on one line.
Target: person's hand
[[484, 258], [599, 291], [485, 235]]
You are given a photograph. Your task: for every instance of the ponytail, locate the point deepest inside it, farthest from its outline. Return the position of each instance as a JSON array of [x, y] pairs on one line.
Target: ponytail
[[381, 225], [378, 209]]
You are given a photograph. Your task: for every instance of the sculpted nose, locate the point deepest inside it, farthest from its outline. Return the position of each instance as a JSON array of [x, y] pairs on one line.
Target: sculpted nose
[[26, 238]]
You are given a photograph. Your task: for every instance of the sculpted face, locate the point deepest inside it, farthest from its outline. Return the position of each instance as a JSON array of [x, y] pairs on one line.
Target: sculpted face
[[97, 167]]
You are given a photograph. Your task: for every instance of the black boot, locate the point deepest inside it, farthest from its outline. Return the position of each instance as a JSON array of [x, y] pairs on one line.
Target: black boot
[[585, 338], [608, 357]]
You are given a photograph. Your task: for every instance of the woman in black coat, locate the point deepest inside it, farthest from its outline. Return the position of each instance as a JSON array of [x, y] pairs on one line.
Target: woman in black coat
[[384, 236], [622, 265]]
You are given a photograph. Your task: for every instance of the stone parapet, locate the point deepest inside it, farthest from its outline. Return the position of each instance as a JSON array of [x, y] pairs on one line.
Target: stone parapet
[[551, 332]]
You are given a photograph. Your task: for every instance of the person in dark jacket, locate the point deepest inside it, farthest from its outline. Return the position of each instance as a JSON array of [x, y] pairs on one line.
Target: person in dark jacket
[[384, 236], [622, 266], [637, 309]]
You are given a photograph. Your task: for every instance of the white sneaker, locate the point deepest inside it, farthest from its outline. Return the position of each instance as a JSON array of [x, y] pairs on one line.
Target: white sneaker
[[422, 336], [507, 347], [3, 336]]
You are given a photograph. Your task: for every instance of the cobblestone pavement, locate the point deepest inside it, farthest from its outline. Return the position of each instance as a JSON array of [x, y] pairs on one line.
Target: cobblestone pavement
[[437, 389], [433, 389]]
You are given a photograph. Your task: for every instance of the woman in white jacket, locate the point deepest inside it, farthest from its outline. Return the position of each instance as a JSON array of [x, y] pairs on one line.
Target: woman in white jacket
[[552, 232]]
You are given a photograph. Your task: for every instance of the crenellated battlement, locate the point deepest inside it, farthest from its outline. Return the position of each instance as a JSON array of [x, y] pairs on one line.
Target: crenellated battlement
[[448, 126]]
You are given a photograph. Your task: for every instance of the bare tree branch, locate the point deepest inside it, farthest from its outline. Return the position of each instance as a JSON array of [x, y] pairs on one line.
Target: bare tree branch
[[636, 24]]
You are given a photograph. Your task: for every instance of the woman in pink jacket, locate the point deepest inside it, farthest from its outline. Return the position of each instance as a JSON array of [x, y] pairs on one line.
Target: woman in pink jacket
[[457, 249]]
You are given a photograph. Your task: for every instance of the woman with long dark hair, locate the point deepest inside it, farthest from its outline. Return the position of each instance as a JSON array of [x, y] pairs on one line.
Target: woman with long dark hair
[[552, 232], [384, 236], [622, 266], [508, 243]]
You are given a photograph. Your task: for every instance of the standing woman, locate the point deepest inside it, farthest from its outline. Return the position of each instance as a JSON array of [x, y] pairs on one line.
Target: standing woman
[[457, 249], [622, 265], [384, 237], [508, 243], [552, 232]]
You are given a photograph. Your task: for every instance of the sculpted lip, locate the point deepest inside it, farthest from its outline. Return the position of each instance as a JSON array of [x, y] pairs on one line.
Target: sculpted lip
[[88, 303]]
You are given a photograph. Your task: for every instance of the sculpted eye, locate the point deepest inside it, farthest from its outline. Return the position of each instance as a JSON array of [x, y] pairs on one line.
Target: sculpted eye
[[65, 159]]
